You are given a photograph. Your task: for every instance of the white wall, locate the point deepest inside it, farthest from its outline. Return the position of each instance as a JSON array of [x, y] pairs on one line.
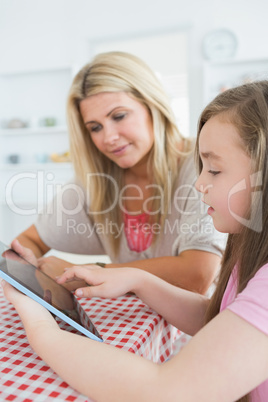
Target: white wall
[[52, 33]]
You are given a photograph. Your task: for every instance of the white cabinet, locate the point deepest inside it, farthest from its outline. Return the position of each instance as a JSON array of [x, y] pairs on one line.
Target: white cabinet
[[32, 145], [34, 95], [36, 98], [25, 190], [218, 76], [28, 178]]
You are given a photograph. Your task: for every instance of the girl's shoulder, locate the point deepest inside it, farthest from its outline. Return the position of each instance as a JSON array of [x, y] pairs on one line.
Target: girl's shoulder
[[252, 303], [257, 286], [262, 273]]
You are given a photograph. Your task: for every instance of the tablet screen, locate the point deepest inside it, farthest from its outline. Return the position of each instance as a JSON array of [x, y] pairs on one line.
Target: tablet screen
[[45, 288]]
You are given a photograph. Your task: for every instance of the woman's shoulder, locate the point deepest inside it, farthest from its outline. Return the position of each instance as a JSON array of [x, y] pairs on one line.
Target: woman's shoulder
[[187, 167], [71, 192]]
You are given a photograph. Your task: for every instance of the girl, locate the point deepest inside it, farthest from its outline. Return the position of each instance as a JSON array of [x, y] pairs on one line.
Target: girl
[[227, 358], [134, 197]]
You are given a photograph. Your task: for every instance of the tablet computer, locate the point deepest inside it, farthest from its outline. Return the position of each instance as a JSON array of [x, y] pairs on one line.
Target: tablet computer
[[40, 287]]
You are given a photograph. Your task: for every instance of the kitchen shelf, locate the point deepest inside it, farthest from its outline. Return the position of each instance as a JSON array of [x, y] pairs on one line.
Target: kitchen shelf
[[31, 96], [33, 131], [18, 167], [35, 94], [218, 76], [37, 71]]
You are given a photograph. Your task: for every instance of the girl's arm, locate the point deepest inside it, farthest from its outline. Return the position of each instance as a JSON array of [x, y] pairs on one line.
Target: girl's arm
[[192, 269], [181, 308], [227, 348]]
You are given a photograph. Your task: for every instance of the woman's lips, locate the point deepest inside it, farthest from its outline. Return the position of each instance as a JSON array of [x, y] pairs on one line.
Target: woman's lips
[[120, 150]]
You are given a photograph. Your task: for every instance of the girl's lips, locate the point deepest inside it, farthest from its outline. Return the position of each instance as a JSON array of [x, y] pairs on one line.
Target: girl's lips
[[210, 210]]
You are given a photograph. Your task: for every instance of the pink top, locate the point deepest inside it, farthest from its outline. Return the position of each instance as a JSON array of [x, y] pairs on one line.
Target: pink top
[[138, 231], [251, 305]]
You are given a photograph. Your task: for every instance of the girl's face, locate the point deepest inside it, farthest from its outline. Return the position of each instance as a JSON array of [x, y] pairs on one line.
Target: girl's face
[[120, 127], [225, 177]]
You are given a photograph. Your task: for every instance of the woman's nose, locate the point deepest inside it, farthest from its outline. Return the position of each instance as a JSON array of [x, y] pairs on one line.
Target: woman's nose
[[110, 135]]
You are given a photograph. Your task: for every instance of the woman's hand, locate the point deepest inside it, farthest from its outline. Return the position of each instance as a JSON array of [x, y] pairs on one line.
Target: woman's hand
[[108, 282], [22, 251], [54, 267]]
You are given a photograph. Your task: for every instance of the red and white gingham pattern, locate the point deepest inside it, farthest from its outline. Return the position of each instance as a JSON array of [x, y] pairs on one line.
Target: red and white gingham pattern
[[125, 322]]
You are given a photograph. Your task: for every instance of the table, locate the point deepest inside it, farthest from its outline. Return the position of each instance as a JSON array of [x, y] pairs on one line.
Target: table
[[125, 322]]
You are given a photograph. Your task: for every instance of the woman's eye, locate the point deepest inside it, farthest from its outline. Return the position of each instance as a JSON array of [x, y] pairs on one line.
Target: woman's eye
[[95, 129], [214, 172], [119, 117]]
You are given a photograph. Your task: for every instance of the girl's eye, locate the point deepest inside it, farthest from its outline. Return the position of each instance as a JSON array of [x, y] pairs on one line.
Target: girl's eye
[[214, 172]]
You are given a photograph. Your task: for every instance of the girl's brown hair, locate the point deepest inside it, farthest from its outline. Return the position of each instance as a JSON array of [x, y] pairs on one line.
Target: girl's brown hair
[[246, 107]]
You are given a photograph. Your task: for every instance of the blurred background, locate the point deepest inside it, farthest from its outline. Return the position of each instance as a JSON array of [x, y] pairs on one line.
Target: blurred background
[[197, 49]]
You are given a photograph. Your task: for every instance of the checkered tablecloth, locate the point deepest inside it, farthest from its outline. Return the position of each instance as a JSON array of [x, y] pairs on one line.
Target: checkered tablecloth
[[125, 322]]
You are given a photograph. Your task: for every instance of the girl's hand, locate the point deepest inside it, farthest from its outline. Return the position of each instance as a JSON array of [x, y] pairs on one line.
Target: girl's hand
[[31, 313], [104, 282]]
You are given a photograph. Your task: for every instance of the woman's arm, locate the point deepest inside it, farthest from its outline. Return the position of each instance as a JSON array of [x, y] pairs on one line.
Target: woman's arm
[[55, 265], [227, 348], [193, 269], [183, 309], [29, 246], [30, 239]]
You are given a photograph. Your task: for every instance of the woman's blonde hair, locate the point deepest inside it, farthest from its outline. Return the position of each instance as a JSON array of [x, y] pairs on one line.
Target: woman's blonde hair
[[122, 72], [246, 107]]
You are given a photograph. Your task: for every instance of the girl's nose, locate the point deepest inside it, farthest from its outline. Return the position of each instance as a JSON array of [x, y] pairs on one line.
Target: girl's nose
[[202, 185], [198, 184]]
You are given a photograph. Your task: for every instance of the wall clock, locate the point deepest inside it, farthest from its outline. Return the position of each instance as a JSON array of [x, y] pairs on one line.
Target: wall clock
[[219, 45]]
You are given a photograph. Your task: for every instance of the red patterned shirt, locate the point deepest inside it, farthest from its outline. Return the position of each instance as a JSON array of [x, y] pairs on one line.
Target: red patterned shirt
[[138, 231]]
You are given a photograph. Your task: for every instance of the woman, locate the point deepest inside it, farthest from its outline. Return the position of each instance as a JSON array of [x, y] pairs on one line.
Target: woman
[[134, 197]]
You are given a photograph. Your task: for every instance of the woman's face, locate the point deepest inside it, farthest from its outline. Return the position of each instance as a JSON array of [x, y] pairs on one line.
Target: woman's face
[[120, 127]]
